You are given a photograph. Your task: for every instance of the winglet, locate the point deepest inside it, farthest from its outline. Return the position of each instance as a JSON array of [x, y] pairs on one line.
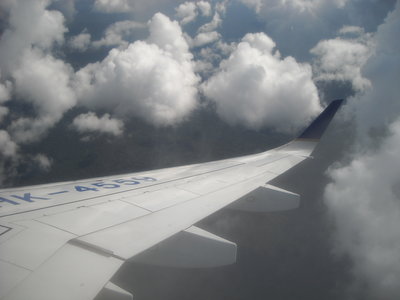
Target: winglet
[[315, 130]]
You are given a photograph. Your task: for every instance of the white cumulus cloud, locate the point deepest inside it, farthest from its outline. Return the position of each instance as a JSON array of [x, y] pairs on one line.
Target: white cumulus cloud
[[256, 87], [206, 34], [342, 58], [44, 82], [204, 7], [5, 94], [212, 25], [203, 38], [7, 146], [116, 33], [43, 161], [186, 12], [5, 91], [113, 6], [30, 24], [80, 42], [89, 122], [152, 79], [39, 78]]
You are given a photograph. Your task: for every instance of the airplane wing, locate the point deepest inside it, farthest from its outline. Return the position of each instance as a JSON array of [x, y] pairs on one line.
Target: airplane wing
[[66, 240]]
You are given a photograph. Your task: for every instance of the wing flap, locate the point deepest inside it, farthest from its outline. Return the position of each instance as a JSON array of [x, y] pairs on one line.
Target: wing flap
[[191, 248], [282, 165], [267, 198]]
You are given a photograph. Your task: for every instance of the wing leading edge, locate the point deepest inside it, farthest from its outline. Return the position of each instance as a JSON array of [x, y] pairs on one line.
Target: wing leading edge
[[65, 241]]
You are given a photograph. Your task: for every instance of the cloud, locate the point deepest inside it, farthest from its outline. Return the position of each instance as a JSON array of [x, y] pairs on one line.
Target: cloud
[[211, 26], [116, 34], [89, 122], [152, 79], [30, 25], [256, 87], [364, 196], [254, 4], [140, 9], [113, 6], [43, 162], [204, 8], [66, 7], [3, 113], [352, 30], [364, 200], [203, 38], [309, 21], [306, 22], [380, 106], [342, 58], [186, 12], [206, 34], [8, 156], [221, 6], [40, 79], [5, 95], [8, 148], [80, 42], [44, 82], [5, 91]]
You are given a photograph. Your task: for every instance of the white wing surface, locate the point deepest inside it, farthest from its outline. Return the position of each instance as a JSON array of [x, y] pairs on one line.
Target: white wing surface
[[66, 240]]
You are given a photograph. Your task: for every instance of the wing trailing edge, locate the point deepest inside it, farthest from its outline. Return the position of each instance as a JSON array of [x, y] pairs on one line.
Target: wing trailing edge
[[114, 292], [267, 198], [190, 248]]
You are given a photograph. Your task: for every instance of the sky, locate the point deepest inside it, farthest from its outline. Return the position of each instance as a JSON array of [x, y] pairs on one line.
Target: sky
[[111, 86]]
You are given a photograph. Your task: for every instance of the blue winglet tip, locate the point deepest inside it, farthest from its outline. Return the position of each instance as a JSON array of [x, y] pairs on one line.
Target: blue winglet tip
[[317, 127]]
